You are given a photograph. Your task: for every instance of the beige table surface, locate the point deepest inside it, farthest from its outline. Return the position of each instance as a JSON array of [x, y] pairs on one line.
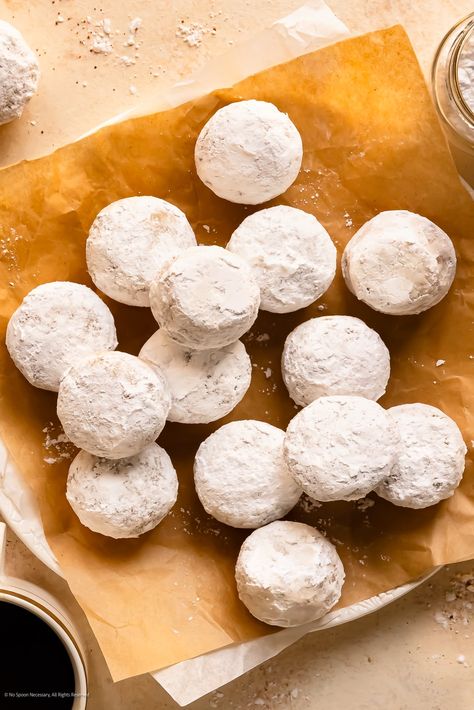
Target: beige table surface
[[417, 653]]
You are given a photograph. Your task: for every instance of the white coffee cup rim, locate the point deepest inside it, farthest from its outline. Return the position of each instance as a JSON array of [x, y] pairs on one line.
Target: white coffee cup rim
[[47, 616], [39, 602]]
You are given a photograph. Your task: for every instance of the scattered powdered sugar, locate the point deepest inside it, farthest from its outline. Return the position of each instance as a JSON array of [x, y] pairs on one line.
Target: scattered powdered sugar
[[458, 603], [135, 24], [213, 702], [193, 33], [101, 37], [133, 28], [364, 503], [8, 249], [442, 619], [100, 44], [56, 444], [307, 504], [439, 363], [205, 525], [348, 219], [107, 25]]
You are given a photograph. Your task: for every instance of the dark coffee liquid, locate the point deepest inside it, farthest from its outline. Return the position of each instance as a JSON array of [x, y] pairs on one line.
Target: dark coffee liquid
[[35, 668]]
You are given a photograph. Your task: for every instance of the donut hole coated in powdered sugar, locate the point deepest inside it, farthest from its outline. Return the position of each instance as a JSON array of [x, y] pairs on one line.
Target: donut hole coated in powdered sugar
[[205, 298], [241, 477], [341, 447], [399, 263], [248, 152], [288, 574], [113, 404], [431, 459], [205, 385], [19, 73], [122, 498], [56, 326], [130, 241], [291, 253], [334, 355]]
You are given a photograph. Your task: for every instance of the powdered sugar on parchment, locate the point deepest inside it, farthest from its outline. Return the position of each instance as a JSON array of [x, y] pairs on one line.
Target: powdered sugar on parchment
[[56, 444]]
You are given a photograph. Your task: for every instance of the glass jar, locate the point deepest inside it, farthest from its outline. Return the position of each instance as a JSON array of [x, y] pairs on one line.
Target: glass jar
[[454, 105]]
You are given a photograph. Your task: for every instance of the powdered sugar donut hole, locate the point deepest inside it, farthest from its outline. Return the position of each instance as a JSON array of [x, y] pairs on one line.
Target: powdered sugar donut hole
[[130, 241], [341, 448], [334, 355], [55, 327], [113, 404], [206, 298], [241, 477], [288, 574], [19, 73], [399, 263], [122, 498], [291, 254], [205, 385], [248, 152], [431, 460]]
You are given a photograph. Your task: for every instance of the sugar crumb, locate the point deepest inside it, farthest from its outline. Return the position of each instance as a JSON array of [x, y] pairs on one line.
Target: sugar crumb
[[193, 33], [364, 503], [135, 24], [101, 44]]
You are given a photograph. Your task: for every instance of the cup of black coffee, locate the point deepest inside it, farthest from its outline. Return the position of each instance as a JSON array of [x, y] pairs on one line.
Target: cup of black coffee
[[43, 662]]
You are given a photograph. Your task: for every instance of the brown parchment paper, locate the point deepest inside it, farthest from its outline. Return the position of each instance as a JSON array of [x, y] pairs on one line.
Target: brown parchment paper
[[371, 142]]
